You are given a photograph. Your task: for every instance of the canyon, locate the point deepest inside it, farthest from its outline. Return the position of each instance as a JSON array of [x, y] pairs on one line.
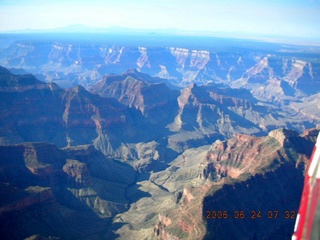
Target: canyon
[[111, 141]]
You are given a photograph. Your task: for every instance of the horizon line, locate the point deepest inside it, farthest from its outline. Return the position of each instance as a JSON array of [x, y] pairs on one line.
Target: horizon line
[[85, 29]]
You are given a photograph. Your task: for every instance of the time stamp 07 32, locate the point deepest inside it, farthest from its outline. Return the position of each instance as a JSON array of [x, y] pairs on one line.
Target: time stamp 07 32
[[253, 214]]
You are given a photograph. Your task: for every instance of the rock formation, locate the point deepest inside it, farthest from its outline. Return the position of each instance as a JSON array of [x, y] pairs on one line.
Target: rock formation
[[238, 184], [135, 159], [71, 193]]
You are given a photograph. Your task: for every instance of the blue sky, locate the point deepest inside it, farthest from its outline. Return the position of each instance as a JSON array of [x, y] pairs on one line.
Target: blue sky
[[273, 17]]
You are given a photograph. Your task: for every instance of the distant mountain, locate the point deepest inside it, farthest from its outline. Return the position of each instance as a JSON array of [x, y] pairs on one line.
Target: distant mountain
[[80, 28], [77, 28]]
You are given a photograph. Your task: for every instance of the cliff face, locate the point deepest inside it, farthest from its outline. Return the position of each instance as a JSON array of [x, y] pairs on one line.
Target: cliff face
[[207, 113], [265, 190], [255, 183], [136, 90], [277, 79], [258, 208], [248, 180], [137, 162], [281, 74], [132, 108], [285, 78], [71, 193], [35, 111]]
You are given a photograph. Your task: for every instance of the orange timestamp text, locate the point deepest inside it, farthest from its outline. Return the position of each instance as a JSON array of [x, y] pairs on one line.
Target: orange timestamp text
[[252, 214]]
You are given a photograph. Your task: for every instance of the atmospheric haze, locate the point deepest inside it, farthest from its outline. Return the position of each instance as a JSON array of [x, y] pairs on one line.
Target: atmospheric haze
[[298, 18]]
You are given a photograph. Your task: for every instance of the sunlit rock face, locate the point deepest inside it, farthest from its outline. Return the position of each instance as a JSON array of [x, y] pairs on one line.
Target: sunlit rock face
[[242, 174], [270, 71], [132, 157]]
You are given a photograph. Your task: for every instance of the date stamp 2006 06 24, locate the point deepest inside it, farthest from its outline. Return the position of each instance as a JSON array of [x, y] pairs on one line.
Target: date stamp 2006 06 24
[[253, 214]]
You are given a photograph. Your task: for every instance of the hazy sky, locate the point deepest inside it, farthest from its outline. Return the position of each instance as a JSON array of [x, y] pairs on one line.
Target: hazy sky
[[278, 17]]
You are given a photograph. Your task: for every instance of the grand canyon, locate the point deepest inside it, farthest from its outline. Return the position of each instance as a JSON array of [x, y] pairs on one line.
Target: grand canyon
[[154, 137]]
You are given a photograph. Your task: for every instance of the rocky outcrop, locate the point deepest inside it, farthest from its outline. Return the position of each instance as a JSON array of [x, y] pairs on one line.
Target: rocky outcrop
[[209, 113], [308, 107], [138, 164], [35, 111], [283, 135], [256, 208], [135, 90], [32, 196], [78, 172], [244, 175], [190, 62], [198, 116], [278, 80], [274, 74], [275, 166], [45, 192]]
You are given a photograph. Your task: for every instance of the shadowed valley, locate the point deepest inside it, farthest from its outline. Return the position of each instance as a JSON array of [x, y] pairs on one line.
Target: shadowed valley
[[151, 142]]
